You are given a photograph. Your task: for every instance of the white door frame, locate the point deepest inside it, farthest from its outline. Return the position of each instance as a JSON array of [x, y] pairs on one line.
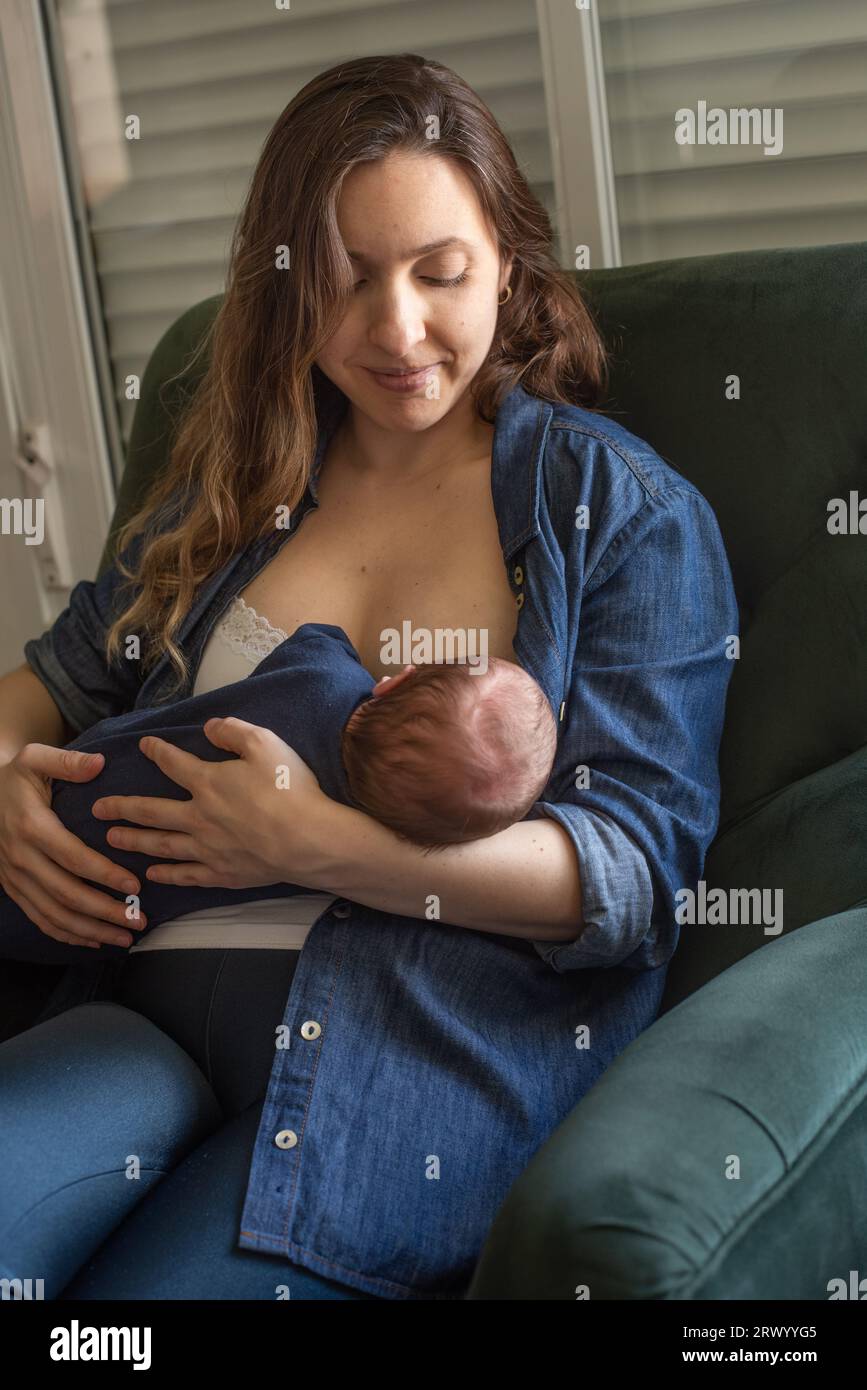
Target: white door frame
[[48, 351]]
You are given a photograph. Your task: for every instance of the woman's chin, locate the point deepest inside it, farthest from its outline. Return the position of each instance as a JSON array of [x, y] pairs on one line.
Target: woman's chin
[[413, 411]]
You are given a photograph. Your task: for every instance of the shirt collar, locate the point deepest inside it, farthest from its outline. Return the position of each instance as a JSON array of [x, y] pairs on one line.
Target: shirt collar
[[520, 434]]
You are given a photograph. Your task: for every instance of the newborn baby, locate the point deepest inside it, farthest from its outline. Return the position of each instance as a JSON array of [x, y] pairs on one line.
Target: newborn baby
[[439, 754], [443, 754]]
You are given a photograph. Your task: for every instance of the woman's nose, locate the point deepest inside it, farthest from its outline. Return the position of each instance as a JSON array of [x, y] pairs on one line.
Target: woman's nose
[[397, 323]]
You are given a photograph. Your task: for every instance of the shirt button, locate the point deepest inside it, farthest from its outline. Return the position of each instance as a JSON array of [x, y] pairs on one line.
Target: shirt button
[[310, 1029], [286, 1139], [518, 575], [342, 910], [519, 601]]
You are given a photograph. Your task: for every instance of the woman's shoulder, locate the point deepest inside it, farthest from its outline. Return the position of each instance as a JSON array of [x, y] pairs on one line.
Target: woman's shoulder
[[611, 489], [605, 451]]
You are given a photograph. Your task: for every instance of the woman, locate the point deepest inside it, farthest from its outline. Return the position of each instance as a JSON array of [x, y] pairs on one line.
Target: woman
[[399, 365]]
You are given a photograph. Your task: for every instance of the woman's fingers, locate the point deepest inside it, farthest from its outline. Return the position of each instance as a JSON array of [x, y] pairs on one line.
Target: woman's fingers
[[35, 869], [47, 832], [164, 811], [53, 917], [72, 854], [47, 929], [63, 764], [157, 844], [74, 896], [33, 839]]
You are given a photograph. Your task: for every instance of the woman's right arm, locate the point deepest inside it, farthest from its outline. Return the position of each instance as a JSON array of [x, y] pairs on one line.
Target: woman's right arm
[[42, 864], [27, 714]]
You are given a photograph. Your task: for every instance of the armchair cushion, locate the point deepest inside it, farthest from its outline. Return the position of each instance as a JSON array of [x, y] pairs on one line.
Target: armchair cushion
[[808, 841], [723, 1155]]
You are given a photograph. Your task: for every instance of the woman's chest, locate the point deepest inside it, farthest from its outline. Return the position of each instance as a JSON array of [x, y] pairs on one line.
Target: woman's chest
[[432, 561]]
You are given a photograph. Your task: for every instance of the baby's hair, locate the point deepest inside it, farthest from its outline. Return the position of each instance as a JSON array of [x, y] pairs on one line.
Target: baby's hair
[[485, 740]]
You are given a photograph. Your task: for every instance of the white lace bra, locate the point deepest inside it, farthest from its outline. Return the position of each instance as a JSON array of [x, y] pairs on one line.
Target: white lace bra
[[238, 642]]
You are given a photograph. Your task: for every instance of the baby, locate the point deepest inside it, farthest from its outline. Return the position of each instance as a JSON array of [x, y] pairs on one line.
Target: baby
[[440, 754], [443, 754]]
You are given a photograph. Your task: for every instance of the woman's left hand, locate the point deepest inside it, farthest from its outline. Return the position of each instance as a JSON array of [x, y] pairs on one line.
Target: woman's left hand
[[243, 826]]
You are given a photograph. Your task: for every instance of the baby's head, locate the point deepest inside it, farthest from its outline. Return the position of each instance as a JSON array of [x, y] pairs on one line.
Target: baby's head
[[448, 753]]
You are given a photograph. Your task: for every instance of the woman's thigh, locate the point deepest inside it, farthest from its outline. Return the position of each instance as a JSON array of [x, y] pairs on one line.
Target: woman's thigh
[[97, 1105], [180, 1242]]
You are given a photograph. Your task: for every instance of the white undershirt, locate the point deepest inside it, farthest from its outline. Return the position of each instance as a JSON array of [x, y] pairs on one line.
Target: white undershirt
[[239, 642]]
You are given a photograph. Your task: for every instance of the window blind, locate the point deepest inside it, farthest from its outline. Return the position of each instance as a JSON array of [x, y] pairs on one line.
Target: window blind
[[808, 57]]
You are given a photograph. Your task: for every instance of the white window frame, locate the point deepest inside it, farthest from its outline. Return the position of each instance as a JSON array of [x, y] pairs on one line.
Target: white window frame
[[574, 77]]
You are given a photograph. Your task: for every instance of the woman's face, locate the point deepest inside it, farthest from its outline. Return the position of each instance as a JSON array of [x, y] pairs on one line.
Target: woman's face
[[405, 313]]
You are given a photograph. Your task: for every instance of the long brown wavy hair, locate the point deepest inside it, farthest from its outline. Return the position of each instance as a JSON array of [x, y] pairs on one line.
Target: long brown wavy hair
[[245, 444]]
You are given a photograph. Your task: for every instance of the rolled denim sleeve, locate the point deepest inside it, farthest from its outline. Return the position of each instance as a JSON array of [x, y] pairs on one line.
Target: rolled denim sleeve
[[636, 779], [69, 658]]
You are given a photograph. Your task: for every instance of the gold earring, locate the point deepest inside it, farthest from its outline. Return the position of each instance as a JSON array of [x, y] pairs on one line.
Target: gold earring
[[508, 296]]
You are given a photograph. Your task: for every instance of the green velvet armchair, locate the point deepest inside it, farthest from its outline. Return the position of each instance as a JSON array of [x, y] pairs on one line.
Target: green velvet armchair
[[724, 1154]]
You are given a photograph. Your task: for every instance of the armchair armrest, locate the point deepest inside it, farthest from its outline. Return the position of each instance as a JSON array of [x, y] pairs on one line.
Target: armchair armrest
[[723, 1155]]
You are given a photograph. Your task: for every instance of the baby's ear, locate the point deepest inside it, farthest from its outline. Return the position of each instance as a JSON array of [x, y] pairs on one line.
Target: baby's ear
[[388, 683]]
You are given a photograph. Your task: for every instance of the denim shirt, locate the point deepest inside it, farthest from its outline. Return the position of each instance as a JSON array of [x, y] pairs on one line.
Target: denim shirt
[[420, 1064]]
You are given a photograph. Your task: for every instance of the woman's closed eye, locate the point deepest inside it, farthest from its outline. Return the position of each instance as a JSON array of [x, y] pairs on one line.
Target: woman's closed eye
[[432, 280], [455, 280]]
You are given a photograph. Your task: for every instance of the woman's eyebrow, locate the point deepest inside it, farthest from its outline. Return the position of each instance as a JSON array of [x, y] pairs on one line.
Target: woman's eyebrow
[[419, 250]]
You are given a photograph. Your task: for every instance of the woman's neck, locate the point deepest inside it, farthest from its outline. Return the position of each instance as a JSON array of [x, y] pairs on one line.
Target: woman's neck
[[379, 456]]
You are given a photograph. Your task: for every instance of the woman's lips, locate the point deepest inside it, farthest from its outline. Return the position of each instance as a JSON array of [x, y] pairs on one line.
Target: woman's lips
[[403, 382]]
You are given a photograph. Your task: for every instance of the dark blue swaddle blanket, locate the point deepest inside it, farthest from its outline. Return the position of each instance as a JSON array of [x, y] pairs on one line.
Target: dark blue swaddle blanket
[[304, 691]]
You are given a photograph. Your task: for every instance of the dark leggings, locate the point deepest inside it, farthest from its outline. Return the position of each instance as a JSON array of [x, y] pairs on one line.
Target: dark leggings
[[170, 1069], [221, 1007]]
